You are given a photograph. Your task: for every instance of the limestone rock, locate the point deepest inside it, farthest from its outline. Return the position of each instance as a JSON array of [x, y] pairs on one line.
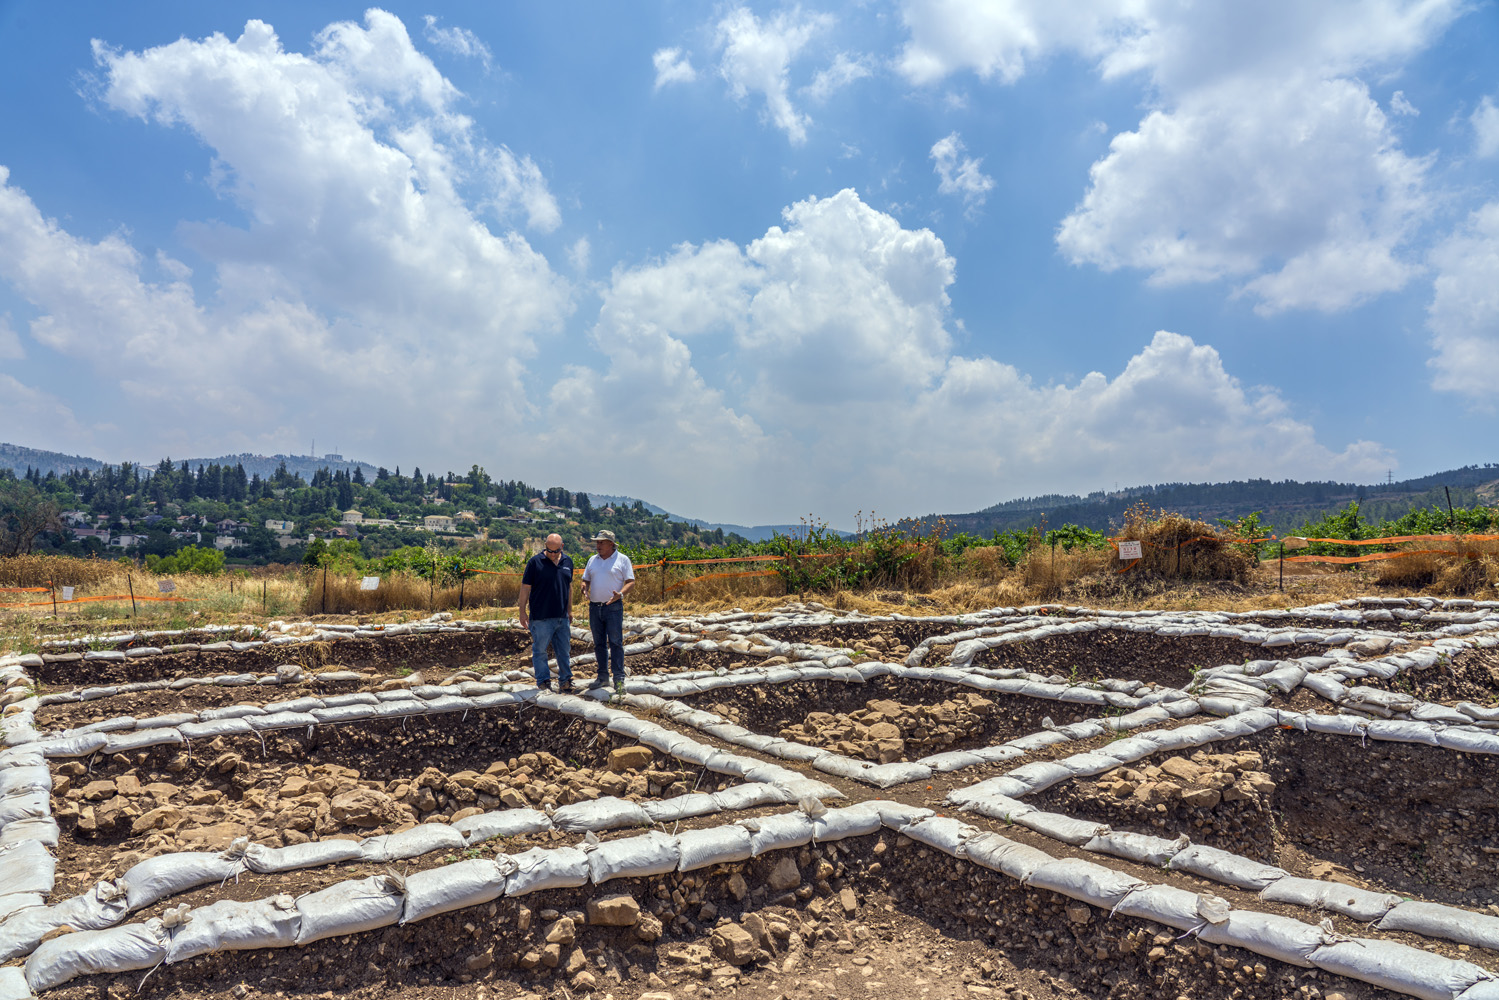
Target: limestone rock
[[785, 875], [614, 911], [364, 807], [630, 758], [734, 944]]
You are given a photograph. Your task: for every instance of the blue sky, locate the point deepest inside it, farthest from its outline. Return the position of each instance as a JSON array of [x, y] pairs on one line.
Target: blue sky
[[754, 262]]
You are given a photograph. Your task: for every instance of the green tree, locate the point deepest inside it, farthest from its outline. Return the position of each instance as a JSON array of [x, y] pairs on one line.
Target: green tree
[[24, 514]]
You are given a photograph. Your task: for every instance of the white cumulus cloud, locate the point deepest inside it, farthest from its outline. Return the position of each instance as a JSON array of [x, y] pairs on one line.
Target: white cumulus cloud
[[958, 174], [1485, 122], [843, 71], [757, 57], [1262, 161], [458, 41], [723, 356], [1464, 313], [672, 66], [358, 259]]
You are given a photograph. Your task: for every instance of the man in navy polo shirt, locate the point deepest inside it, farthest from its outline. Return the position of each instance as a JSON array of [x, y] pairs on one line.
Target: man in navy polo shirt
[[546, 609]]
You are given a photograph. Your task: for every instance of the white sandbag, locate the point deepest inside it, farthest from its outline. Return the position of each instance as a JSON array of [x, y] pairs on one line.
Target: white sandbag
[[718, 845], [452, 887], [541, 868], [1395, 730], [952, 760], [142, 739], [633, 857], [897, 815], [229, 925], [75, 746], [27, 867], [87, 953], [1084, 880], [1091, 763], [502, 823], [1435, 920], [18, 901], [1164, 904], [101, 906], [778, 833], [945, 834], [1001, 854], [41, 829], [1349, 900], [1004, 787], [213, 730], [269, 860], [1040, 775], [37, 777], [843, 767], [412, 843], [25, 805], [13, 984], [1341, 725], [1398, 967], [168, 874], [1068, 830], [837, 824], [1277, 937], [895, 773], [1222, 866], [349, 908], [682, 807], [607, 813], [1141, 847], [994, 805]]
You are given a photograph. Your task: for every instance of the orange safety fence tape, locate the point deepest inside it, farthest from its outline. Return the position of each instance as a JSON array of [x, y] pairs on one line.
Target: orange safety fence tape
[[25, 590], [1197, 538], [87, 600], [1371, 557], [1396, 539]]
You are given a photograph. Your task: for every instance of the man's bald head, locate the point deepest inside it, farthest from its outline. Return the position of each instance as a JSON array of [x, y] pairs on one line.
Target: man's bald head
[[554, 539]]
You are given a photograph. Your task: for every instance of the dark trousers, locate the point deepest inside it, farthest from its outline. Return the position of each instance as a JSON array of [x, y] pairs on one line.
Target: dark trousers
[[607, 622]]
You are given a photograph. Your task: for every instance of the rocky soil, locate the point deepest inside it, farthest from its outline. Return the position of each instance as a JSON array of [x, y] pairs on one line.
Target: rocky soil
[[827, 921], [1222, 800], [175, 809], [885, 730]]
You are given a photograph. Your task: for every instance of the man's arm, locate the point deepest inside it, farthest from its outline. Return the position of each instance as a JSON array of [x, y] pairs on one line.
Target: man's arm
[[523, 602]]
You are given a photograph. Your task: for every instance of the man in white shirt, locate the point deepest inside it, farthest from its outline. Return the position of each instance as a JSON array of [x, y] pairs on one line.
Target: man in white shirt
[[607, 578]]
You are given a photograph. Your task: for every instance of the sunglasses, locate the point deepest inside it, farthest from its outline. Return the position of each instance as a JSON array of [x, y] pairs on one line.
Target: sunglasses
[[552, 551]]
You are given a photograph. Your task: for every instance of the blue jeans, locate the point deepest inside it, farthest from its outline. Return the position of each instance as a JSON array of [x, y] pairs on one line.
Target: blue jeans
[[607, 622], [557, 633]]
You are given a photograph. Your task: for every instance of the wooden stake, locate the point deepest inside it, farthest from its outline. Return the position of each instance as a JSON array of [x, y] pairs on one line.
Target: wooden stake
[[1282, 565], [53, 585]]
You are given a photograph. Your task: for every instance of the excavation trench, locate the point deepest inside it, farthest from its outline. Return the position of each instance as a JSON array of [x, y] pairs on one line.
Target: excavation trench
[[930, 716], [875, 915], [1397, 817]]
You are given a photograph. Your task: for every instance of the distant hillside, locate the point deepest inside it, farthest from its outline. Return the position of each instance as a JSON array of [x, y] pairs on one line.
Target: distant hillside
[[754, 532], [265, 465], [1284, 505], [19, 458]]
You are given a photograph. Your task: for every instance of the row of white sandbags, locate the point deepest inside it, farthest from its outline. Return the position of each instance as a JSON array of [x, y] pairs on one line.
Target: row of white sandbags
[[367, 904], [107, 903]]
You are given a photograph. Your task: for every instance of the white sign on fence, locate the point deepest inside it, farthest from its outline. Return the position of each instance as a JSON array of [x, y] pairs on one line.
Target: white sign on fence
[[1294, 542], [165, 586], [67, 593], [1130, 550], [369, 583]]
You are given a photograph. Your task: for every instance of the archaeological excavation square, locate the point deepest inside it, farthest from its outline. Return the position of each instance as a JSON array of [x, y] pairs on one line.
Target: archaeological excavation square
[[353, 781], [887, 719], [1401, 817], [1124, 655]]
